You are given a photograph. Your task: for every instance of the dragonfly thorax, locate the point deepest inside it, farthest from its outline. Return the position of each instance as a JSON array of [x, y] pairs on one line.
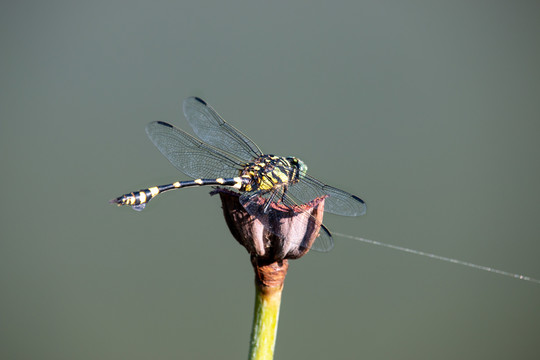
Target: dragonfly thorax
[[268, 172]]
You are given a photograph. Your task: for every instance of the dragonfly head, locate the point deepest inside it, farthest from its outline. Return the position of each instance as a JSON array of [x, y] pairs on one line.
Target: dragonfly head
[[299, 164]]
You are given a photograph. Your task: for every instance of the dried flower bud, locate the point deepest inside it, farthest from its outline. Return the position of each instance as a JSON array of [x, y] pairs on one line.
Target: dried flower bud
[[299, 227]]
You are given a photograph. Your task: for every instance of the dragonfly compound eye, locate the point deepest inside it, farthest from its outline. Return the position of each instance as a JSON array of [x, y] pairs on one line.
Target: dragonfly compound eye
[[299, 164]]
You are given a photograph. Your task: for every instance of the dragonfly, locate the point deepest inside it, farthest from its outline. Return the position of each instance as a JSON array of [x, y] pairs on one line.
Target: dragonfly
[[223, 156]]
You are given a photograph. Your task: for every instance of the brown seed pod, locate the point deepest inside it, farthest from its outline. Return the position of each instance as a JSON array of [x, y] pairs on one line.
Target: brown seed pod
[[299, 227]]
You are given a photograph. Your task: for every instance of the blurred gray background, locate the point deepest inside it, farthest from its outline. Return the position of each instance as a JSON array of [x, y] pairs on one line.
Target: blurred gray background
[[428, 110]]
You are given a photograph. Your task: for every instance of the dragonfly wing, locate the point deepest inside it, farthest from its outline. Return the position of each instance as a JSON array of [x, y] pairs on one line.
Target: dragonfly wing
[[324, 241], [212, 129], [338, 202], [190, 155]]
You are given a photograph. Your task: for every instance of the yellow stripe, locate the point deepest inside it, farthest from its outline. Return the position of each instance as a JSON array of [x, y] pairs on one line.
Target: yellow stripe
[[199, 181], [283, 177], [177, 184], [238, 184], [266, 183], [220, 180], [142, 197], [154, 190]]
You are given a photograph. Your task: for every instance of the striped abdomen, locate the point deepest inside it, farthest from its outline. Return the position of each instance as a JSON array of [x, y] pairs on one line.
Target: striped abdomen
[[138, 199]]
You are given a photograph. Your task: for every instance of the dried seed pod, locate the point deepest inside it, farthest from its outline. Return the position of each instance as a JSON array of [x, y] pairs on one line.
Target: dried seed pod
[[298, 227]]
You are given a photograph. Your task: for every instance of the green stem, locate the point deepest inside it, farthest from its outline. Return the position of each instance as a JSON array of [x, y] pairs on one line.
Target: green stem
[[265, 322]]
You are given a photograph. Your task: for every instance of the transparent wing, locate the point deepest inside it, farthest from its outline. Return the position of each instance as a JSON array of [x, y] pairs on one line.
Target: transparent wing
[[338, 202], [190, 155], [277, 222], [213, 130]]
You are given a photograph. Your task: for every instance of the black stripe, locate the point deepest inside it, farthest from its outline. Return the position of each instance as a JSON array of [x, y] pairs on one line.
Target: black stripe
[[164, 124], [163, 188], [138, 197], [200, 100], [148, 194], [357, 198]]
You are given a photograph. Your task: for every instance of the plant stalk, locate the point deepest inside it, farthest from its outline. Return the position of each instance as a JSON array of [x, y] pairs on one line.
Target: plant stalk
[[265, 323], [269, 279]]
